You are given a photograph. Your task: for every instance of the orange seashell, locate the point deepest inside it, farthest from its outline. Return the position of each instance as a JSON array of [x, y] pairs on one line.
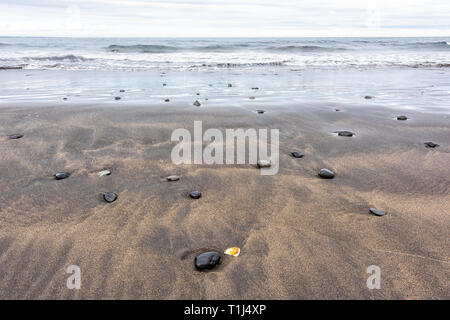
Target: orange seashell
[[234, 251]]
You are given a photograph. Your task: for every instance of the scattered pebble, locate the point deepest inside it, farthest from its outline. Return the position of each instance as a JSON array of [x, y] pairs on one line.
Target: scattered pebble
[[198, 93], [173, 178], [117, 98], [122, 90], [61, 175], [345, 133], [110, 197], [16, 136], [164, 84], [296, 154], [197, 104], [230, 85], [252, 98], [104, 173], [195, 194], [377, 212], [207, 260], [64, 98], [402, 118], [337, 110], [260, 111], [431, 144], [255, 88], [264, 164], [367, 97], [166, 100], [234, 251], [326, 174]]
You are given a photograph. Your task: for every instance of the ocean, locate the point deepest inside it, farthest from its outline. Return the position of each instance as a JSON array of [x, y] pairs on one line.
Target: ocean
[[396, 71]]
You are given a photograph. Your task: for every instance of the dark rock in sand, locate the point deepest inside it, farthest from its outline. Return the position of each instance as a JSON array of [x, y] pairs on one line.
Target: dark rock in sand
[[16, 136], [61, 175], [195, 194], [367, 97], [64, 98], [117, 98], [403, 118], [326, 174], [230, 85], [197, 104], [345, 133], [164, 84], [431, 144], [198, 93], [296, 154], [122, 90], [260, 111], [173, 178], [252, 98], [377, 212], [255, 88], [110, 197], [166, 100], [337, 110], [207, 260]]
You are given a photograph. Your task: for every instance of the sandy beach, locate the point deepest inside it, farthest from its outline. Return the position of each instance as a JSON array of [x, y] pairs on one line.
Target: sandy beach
[[301, 237]]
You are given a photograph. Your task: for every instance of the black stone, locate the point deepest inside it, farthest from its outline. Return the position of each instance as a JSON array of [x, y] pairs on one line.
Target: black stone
[[377, 212], [64, 98], [164, 84], [207, 260], [326, 174], [255, 88], [122, 90], [296, 154], [431, 144], [61, 175], [230, 85], [195, 194], [345, 133], [16, 136], [403, 118], [260, 111], [117, 98], [197, 104], [110, 197], [166, 100], [367, 97]]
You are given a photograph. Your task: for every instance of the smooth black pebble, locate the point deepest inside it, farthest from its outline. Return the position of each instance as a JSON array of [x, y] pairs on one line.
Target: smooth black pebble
[[296, 154], [207, 260], [402, 118], [117, 98], [110, 197], [377, 212], [326, 174], [345, 133], [61, 175], [195, 194], [16, 136], [431, 144], [260, 111]]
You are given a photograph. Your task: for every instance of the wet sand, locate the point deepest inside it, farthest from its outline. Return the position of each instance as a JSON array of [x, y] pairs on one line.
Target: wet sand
[[301, 237]]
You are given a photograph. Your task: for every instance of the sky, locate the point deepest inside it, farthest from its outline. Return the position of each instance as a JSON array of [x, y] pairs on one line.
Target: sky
[[224, 18]]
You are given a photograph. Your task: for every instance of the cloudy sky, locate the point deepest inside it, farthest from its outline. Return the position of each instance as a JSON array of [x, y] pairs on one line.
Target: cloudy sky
[[224, 18]]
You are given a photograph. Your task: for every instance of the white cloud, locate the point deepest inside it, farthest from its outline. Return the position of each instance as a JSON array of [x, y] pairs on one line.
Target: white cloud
[[212, 18]]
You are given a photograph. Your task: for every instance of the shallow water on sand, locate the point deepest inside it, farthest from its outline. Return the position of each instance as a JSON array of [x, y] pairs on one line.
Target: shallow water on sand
[[406, 88]]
